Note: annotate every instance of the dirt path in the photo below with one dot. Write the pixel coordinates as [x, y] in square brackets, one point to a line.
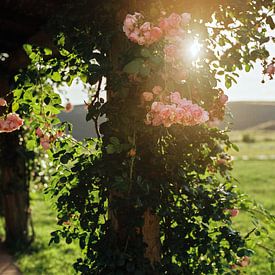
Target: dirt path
[7, 266]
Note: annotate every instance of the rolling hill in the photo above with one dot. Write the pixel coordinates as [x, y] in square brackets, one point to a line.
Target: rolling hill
[256, 115]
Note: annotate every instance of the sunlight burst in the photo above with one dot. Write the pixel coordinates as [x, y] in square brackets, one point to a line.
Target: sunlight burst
[195, 48]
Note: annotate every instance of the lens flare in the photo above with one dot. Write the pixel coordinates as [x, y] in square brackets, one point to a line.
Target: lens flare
[195, 48]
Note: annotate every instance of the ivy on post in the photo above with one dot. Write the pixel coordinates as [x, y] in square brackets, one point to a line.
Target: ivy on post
[147, 223]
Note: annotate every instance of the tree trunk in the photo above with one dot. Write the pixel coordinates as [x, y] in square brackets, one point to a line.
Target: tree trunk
[14, 187]
[151, 228]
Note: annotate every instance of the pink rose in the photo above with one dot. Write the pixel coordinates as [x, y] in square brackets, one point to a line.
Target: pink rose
[129, 23]
[174, 34]
[157, 106]
[270, 70]
[181, 111]
[10, 123]
[234, 212]
[134, 36]
[69, 107]
[145, 27]
[45, 142]
[175, 97]
[179, 115]
[155, 34]
[245, 261]
[186, 17]
[156, 120]
[170, 52]
[3, 102]
[164, 25]
[39, 132]
[147, 96]
[171, 25]
[223, 99]
[174, 20]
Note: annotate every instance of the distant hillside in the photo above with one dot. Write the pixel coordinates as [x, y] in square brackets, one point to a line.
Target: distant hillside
[251, 114]
[260, 115]
[81, 128]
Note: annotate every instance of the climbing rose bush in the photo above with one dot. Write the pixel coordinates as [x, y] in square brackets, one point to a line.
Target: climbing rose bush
[11, 122]
[145, 33]
[175, 168]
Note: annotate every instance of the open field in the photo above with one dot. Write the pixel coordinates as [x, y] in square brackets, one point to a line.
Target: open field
[256, 178]
[254, 144]
[40, 258]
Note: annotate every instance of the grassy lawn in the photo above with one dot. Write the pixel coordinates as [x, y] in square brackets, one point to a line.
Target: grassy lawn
[42, 259]
[256, 178]
[263, 144]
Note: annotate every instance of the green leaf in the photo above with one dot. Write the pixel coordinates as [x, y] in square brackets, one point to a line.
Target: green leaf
[56, 77]
[144, 71]
[15, 106]
[235, 147]
[110, 149]
[228, 83]
[134, 66]
[145, 52]
[247, 68]
[156, 59]
[27, 48]
[48, 51]
[83, 78]
[114, 141]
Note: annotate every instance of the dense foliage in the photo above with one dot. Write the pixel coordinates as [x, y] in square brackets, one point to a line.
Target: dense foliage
[175, 173]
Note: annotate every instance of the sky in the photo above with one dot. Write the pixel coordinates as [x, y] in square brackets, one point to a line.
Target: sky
[248, 88]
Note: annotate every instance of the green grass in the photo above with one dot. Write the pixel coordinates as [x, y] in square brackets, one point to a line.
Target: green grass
[256, 178]
[40, 258]
[263, 145]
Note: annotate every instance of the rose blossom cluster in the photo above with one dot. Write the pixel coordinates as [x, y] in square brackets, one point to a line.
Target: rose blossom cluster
[172, 26]
[177, 111]
[145, 33]
[10, 123]
[142, 34]
[46, 140]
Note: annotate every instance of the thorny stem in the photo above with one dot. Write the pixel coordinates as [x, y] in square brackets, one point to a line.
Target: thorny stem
[96, 96]
[132, 164]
